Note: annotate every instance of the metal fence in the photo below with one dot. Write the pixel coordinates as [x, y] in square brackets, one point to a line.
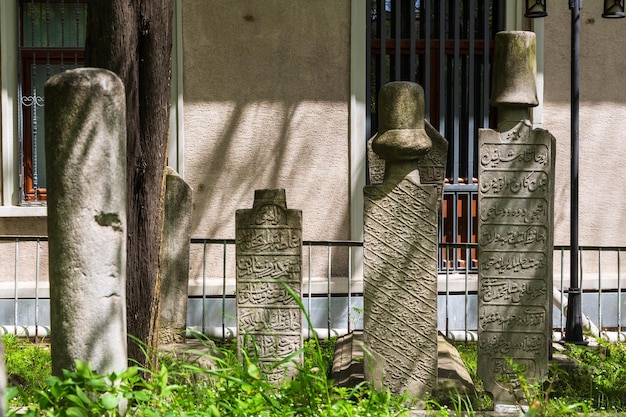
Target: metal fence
[332, 290]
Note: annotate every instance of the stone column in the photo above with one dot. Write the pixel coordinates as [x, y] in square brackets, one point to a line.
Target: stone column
[175, 259]
[269, 262]
[86, 175]
[515, 226]
[400, 247]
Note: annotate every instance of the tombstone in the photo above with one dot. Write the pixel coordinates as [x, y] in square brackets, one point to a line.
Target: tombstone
[269, 273]
[515, 226]
[400, 247]
[175, 259]
[86, 171]
[432, 167]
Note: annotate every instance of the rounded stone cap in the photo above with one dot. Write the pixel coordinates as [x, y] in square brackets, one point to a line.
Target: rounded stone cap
[401, 134]
[514, 69]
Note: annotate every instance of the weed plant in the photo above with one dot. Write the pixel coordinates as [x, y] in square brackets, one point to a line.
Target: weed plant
[597, 377]
[231, 386]
[594, 381]
[27, 364]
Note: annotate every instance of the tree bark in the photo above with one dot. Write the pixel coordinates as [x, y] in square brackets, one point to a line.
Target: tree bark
[133, 38]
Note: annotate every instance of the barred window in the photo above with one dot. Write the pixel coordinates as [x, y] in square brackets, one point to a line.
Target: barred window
[52, 39]
[446, 46]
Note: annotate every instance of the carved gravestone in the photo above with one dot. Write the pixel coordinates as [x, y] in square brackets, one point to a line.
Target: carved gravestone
[400, 248]
[175, 259]
[269, 259]
[86, 171]
[515, 227]
[432, 167]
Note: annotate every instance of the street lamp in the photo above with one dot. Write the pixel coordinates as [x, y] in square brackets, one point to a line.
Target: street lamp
[612, 9]
[536, 8]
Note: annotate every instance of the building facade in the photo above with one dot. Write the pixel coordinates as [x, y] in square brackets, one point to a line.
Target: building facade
[274, 94]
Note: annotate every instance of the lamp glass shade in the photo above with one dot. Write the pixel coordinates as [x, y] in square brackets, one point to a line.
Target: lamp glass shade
[613, 9]
[536, 8]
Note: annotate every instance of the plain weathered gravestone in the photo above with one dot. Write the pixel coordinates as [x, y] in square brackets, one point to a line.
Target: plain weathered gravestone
[269, 274]
[515, 226]
[175, 259]
[86, 171]
[400, 248]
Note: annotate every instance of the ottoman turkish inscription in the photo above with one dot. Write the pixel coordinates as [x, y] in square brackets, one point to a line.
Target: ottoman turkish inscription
[269, 259]
[400, 246]
[515, 206]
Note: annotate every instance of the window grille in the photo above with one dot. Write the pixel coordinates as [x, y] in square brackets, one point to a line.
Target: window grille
[445, 46]
[52, 40]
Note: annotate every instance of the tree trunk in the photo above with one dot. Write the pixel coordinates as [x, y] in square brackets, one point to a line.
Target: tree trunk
[133, 38]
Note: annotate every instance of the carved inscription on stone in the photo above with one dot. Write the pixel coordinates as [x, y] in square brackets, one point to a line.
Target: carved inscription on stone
[269, 246]
[515, 205]
[432, 167]
[400, 250]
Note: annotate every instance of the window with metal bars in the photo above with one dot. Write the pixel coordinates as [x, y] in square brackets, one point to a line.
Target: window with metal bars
[51, 40]
[445, 46]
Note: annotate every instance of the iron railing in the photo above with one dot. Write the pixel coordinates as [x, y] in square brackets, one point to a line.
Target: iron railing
[332, 288]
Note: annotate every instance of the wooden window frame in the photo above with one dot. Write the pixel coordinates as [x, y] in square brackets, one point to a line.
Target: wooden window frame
[29, 56]
[447, 55]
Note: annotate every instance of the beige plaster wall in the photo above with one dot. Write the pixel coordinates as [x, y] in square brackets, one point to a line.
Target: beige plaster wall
[266, 105]
[602, 130]
[1, 130]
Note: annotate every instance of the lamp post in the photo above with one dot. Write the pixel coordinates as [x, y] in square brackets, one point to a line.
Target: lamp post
[612, 9]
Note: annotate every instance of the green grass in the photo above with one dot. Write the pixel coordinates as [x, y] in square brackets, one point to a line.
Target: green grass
[595, 381]
[27, 364]
[598, 379]
[234, 387]
[231, 387]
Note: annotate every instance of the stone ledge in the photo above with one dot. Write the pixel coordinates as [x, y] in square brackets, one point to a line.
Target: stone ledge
[452, 377]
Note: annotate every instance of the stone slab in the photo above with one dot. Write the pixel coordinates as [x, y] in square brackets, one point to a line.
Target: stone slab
[86, 171]
[175, 259]
[452, 376]
[515, 244]
[269, 273]
[400, 286]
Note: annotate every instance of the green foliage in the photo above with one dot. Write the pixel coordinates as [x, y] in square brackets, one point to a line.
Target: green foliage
[468, 352]
[26, 363]
[534, 398]
[565, 392]
[229, 387]
[82, 393]
[597, 376]
[228, 384]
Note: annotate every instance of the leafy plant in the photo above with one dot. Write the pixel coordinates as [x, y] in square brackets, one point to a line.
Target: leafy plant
[534, 398]
[27, 364]
[231, 383]
[596, 376]
[83, 393]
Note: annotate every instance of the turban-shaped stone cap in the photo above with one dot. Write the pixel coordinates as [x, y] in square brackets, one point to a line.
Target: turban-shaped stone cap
[515, 69]
[401, 134]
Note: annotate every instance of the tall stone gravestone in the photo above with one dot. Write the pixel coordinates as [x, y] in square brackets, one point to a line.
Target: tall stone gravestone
[515, 226]
[400, 247]
[175, 259]
[86, 177]
[269, 271]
